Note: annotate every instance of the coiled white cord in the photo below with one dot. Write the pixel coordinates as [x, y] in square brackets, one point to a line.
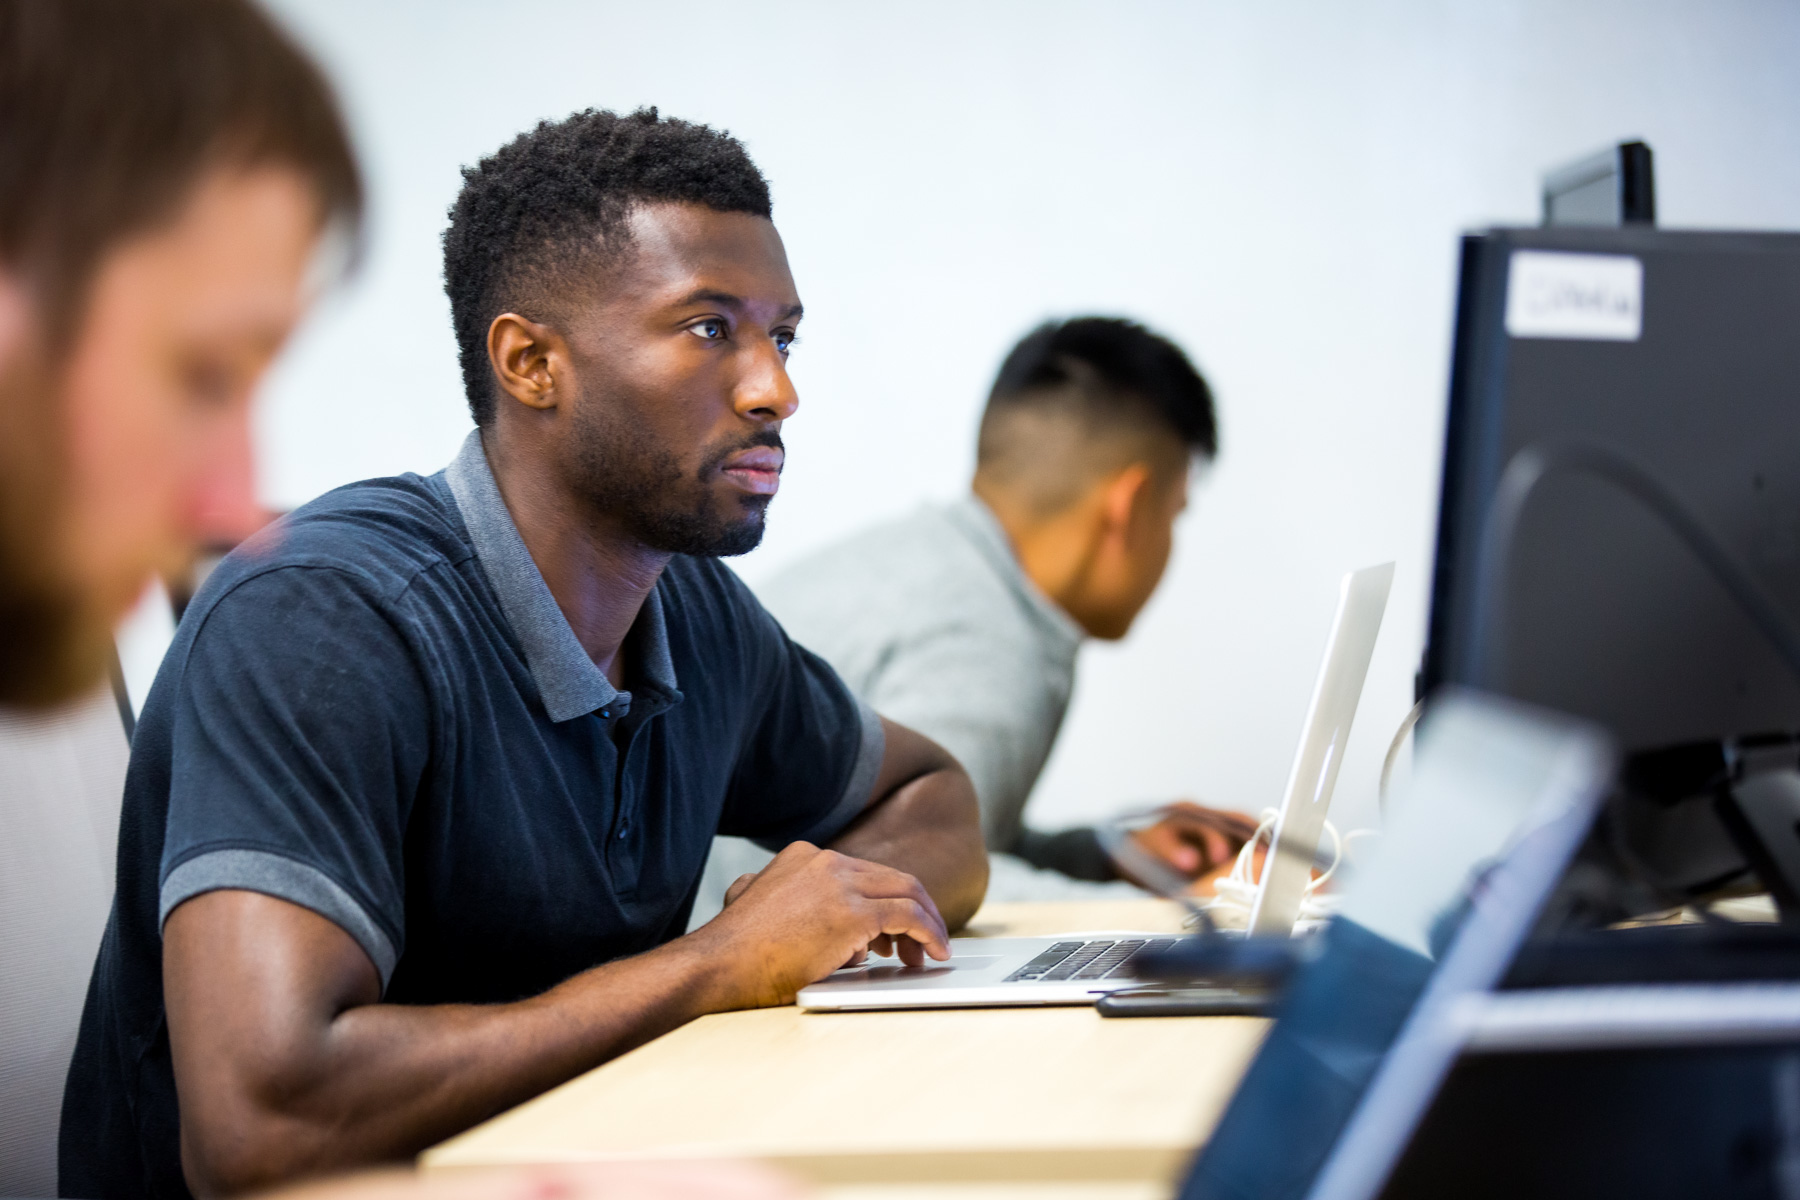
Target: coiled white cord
[1235, 893]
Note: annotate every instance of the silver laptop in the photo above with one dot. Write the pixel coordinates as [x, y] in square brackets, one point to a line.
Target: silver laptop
[1079, 968]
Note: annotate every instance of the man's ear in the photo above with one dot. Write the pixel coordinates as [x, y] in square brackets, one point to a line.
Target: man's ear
[528, 358]
[1121, 498]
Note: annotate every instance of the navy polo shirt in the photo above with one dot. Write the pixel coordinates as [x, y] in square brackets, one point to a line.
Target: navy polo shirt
[380, 714]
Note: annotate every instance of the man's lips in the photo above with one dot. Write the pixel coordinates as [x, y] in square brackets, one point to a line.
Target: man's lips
[757, 470]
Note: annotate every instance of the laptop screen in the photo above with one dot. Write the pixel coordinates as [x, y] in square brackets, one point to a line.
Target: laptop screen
[1499, 798]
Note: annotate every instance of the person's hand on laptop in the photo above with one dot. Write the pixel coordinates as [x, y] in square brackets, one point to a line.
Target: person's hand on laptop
[1196, 841]
[812, 911]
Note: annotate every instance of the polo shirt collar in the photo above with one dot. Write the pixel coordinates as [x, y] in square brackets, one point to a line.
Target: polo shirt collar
[567, 679]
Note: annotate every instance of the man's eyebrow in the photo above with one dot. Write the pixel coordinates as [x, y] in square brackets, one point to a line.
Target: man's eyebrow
[727, 300]
[710, 296]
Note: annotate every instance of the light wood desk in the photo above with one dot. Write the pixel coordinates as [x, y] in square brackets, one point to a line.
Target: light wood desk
[982, 1104]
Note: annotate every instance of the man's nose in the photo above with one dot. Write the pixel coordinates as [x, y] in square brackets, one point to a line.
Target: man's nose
[763, 387]
[222, 504]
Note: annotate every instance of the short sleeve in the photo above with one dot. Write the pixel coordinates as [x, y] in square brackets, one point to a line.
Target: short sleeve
[811, 750]
[301, 730]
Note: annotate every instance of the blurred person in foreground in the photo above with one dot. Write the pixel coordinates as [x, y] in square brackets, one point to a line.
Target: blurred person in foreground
[421, 796]
[168, 169]
[964, 620]
[168, 172]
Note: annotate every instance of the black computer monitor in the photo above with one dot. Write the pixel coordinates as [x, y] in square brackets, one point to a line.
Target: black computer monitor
[1678, 351]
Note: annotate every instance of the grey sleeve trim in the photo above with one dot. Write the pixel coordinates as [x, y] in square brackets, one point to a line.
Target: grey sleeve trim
[285, 879]
[1076, 853]
[856, 793]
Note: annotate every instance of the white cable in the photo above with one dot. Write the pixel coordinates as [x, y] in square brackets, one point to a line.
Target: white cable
[1393, 752]
[1235, 893]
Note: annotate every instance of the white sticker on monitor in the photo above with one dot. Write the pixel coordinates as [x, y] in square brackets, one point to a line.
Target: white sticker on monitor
[1591, 297]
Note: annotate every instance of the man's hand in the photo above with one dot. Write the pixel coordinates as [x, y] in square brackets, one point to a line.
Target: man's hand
[1195, 841]
[922, 818]
[812, 911]
[911, 866]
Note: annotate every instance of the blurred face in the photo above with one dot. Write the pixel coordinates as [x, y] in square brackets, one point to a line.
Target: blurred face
[680, 382]
[154, 391]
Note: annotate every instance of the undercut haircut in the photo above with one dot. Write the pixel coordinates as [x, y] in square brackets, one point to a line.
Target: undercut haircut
[539, 219]
[111, 111]
[1080, 397]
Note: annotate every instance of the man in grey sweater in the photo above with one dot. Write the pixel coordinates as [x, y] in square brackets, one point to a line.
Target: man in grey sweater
[963, 620]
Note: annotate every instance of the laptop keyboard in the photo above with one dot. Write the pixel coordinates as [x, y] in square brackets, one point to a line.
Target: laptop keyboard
[1087, 960]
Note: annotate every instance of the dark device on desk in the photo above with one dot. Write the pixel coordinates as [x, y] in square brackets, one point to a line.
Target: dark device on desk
[1630, 397]
[1212, 975]
[1189, 1000]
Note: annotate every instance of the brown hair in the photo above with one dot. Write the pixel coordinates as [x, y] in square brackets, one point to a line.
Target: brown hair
[112, 110]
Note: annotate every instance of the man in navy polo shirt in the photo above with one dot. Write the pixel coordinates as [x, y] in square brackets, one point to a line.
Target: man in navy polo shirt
[421, 796]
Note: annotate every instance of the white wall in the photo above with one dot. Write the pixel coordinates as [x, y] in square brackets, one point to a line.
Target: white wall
[1279, 186]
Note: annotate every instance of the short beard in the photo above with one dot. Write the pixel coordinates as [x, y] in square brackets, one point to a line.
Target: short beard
[54, 647]
[53, 650]
[633, 481]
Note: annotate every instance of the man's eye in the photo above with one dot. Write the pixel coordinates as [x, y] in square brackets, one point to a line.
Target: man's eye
[712, 329]
[785, 340]
[210, 384]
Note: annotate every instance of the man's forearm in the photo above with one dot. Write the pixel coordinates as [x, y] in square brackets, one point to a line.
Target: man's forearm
[365, 1082]
[426, 1073]
[930, 828]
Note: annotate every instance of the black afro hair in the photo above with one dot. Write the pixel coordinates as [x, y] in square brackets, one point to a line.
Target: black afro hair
[554, 202]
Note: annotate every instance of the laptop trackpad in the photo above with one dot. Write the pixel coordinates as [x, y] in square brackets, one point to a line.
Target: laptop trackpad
[962, 962]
